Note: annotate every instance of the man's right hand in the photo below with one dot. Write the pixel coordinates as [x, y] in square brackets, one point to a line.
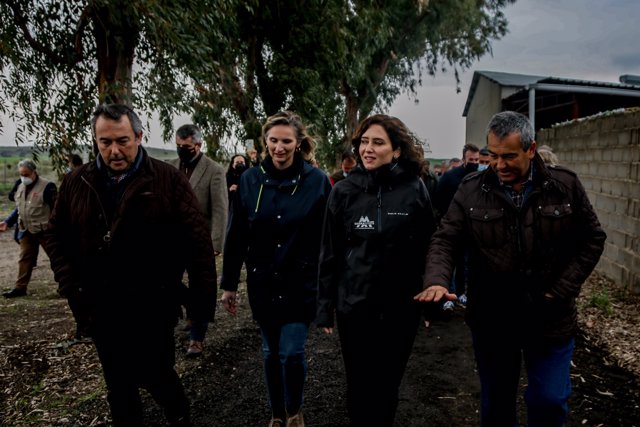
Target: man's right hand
[435, 293]
[3, 226]
[229, 302]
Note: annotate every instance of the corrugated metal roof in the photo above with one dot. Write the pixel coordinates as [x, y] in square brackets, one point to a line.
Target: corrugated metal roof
[522, 80]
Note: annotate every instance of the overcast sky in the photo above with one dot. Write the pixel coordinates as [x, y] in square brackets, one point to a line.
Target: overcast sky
[580, 39]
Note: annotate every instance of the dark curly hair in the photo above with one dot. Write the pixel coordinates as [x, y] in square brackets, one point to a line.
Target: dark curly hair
[401, 137]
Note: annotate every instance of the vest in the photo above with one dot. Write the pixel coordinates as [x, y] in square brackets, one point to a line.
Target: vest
[34, 212]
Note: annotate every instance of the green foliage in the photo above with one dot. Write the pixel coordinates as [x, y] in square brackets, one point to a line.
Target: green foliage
[602, 301]
[228, 63]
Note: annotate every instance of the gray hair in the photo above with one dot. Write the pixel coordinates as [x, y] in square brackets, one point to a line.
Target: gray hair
[508, 122]
[27, 163]
[115, 112]
[186, 131]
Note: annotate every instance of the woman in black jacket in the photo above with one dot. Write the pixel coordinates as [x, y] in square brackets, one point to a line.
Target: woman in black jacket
[274, 229]
[237, 166]
[376, 232]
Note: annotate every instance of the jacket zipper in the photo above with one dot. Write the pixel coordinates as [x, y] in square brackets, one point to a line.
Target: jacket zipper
[107, 237]
[379, 209]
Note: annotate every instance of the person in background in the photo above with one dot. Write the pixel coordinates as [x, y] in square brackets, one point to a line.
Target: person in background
[34, 198]
[454, 162]
[124, 229]
[208, 183]
[532, 234]
[75, 161]
[484, 160]
[12, 198]
[447, 187]
[252, 154]
[347, 163]
[237, 166]
[548, 156]
[274, 229]
[450, 180]
[374, 243]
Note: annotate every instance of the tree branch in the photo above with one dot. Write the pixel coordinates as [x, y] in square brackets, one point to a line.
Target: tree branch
[21, 22]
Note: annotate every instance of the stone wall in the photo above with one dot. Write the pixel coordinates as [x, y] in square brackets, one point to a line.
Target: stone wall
[605, 152]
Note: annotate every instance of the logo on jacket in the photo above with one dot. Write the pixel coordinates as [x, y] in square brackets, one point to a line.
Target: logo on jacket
[364, 223]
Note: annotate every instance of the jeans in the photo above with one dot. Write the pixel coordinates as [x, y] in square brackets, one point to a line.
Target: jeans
[285, 365]
[549, 386]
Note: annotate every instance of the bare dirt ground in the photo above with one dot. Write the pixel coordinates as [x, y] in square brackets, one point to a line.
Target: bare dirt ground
[45, 381]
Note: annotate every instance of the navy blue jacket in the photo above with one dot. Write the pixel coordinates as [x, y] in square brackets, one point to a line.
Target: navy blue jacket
[275, 227]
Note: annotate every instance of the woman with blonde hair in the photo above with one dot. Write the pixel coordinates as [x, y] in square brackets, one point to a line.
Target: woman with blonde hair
[274, 229]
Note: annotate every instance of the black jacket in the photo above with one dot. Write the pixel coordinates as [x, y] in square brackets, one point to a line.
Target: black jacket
[516, 256]
[275, 229]
[375, 237]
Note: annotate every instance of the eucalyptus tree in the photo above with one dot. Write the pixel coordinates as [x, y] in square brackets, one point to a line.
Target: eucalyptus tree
[59, 58]
[336, 61]
[229, 63]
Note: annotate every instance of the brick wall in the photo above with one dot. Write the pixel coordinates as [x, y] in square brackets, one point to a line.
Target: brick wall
[605, 152]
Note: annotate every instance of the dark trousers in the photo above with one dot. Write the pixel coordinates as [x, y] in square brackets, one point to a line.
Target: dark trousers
[140, 360]
[499, 361]
[29, 250]
[376, 350]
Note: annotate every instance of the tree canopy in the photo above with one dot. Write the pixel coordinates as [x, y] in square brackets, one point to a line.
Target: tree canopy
[229, 63]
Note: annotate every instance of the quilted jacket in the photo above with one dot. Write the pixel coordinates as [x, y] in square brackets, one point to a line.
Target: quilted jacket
[526, 266]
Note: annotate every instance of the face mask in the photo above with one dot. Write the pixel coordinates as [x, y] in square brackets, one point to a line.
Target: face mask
[239, 168]
[186, 154]
[471, 167]
[482, 167]
[26, 180]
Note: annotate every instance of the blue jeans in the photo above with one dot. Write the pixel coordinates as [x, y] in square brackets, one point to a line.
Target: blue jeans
[285, 365]
[549, 386]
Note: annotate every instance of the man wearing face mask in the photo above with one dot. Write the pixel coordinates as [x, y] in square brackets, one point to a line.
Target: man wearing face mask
[34, 199]
[485, 159]
[207, 179]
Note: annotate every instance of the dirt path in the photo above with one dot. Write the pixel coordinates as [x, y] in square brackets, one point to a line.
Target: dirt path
[46, 382]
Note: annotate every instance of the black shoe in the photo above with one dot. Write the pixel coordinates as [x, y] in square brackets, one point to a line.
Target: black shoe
[15, 292]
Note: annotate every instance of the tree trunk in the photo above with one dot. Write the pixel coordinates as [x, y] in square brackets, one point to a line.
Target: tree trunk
[116, 34]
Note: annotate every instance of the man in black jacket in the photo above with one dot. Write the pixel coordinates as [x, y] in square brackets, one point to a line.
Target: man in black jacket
[123, 231]
[532, 235]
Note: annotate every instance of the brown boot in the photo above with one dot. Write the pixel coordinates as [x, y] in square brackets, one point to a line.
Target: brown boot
[276, 422]
[195, 349]
[295, 420]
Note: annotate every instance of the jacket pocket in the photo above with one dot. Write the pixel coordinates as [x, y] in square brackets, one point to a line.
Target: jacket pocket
[488, 227]
[555, 221]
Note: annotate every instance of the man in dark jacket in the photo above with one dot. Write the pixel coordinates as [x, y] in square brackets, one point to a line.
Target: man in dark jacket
[123, 231]
[532, 235]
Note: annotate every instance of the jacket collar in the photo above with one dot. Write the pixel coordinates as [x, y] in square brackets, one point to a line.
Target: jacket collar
[385, 175]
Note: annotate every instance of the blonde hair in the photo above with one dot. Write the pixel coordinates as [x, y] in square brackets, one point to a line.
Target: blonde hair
[289, 118]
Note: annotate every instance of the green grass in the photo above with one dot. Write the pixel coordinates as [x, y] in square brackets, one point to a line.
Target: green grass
[602, 301]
